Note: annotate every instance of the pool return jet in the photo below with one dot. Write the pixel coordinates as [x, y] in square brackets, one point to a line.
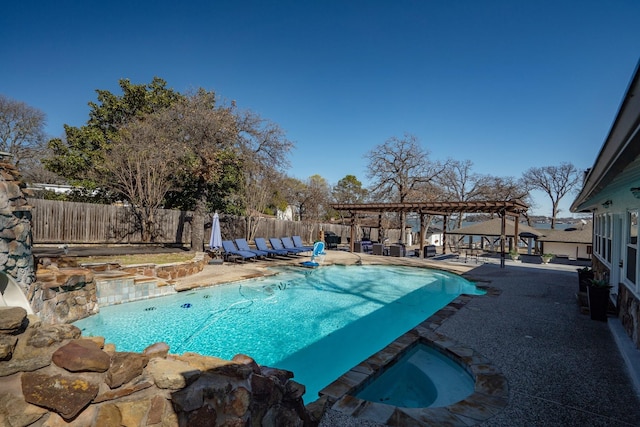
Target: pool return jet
[318, 253]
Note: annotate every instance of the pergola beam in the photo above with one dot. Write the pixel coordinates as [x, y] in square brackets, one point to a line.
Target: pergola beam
[503, 208]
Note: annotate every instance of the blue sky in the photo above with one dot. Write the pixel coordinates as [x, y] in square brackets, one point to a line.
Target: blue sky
[507, 84]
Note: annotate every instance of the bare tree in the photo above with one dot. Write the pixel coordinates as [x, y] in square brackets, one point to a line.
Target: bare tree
[555, 181]
[504, 188]
[264, 149]
[257, 192]
[398, 168]
[460, 184]
[311, 197]
[140, 167]
[21, 130]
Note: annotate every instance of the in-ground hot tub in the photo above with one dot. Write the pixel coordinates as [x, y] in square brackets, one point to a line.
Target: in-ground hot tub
[422, 377]
[433, 404]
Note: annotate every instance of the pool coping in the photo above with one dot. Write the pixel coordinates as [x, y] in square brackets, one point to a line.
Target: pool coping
[491, 391]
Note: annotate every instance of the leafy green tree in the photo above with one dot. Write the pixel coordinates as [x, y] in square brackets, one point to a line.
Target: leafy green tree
[349, 190]
[206, 136]
[82, 151]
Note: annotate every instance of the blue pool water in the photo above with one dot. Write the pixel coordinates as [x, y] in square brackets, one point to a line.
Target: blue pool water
[317, 323]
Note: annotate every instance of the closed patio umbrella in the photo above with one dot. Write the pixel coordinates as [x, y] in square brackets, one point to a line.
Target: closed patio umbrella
[216, 238]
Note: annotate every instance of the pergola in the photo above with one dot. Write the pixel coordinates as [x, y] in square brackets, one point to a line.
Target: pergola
[502, 208]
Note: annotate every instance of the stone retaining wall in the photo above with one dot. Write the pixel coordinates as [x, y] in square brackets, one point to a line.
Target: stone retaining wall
[52, 376]
[16, 258]
[63, 295]
[170, 271]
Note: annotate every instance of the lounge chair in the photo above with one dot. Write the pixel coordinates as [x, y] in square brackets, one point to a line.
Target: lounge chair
[230, 249]
[244, 246]
[261, 244]
[288, 245]
[297, 242]
[277, 245]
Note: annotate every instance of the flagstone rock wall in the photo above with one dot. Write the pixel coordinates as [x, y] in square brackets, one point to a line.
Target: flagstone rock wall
[52, 376]
[55, 294]
[16, 259]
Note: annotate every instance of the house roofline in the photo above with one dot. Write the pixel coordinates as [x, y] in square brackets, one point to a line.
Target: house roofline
[621, 147]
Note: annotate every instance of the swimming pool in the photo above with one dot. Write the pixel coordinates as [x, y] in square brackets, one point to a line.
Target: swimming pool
[317, 323]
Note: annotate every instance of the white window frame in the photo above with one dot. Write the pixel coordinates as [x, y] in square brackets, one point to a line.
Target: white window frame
[627, 245]
[603, 234]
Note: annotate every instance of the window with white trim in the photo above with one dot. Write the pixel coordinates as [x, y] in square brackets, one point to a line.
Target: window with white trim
[603, 232]
[608, 236]
[632, 246]
[596, 235]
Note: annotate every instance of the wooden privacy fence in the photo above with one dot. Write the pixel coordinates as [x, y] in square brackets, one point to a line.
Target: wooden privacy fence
[57, 222]
[70, 222]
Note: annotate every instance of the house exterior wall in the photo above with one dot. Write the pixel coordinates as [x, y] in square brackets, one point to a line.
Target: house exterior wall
[611, 191]
[616, 258]
[570, 250]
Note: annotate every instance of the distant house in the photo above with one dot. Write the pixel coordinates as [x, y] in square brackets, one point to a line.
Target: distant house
[491, 230]
[433, 236]
[285, 215]
[611, 192]
[573, 242]
[55, 188]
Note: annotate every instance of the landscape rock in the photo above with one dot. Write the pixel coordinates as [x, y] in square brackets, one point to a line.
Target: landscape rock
[247, 360]
[99, 341]
[26, 358]
[156, 410]
[108, 415]
[200, 417]
[294, 390]
[238, 402]
[203, 363]
[129, 389]
[66, 395]
[133, 412]
[281, 375]
[7, 345]
[170, 374]
[125, 367]
[12, 319]
[47, 335]
[266, 389]
[16, 412]
[81, 356]
[84, 419]
[159, 349]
